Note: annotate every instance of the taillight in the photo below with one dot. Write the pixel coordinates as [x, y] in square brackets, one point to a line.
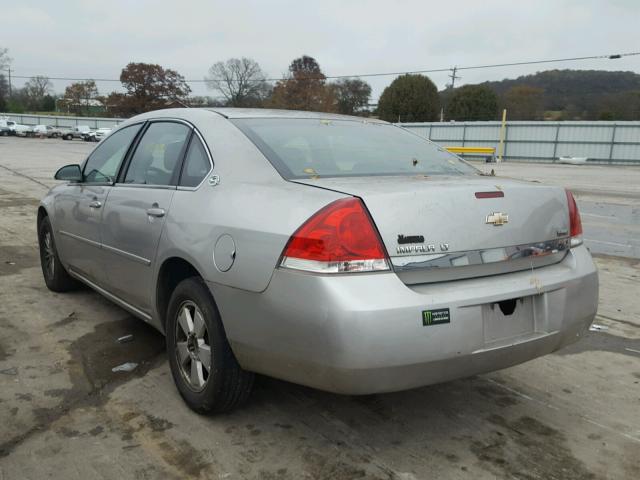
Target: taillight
[575, 223]
[338, 238]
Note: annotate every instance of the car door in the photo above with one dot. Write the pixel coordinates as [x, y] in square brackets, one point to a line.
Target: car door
[79, 206]
[135, 213]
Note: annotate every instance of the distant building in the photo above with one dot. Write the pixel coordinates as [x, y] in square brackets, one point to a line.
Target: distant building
[176, 104]
[91, 106]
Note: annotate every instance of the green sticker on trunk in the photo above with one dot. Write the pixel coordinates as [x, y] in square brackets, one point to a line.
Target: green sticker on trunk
[435, 317]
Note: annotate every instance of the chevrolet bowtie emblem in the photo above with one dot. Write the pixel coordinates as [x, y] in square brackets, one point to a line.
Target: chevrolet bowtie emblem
[497, 218]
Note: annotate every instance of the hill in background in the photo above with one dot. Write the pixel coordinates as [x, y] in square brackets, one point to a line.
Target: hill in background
[570, 95]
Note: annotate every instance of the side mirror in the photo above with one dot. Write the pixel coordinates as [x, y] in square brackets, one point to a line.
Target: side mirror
[70, 173]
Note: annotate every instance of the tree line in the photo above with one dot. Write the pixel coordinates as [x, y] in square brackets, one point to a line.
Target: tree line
[241, 82]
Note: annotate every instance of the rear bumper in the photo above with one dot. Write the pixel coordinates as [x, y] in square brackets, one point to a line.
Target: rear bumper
[363, 334]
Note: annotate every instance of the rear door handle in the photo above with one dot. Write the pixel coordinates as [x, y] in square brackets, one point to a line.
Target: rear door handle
[95, 204]
[156, 212]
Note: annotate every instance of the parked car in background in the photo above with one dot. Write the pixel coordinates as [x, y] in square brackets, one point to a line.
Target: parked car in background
[46, 130]
[22, 130]
[6, 126]
[101, 133]
[96, 135]
[75, 132]
[341, 253]
[14, 128]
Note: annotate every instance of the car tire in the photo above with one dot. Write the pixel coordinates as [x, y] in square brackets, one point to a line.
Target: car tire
[226, 385]
[55, 275]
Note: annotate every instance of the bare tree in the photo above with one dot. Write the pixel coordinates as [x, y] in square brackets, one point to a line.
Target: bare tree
[36, 89]
[5, 60]
[241, 82]
[5, 89]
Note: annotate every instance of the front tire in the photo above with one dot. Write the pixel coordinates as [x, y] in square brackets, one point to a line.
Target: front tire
[203, 365]
[55, 275]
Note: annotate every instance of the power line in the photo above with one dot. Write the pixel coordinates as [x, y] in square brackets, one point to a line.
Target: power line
[383, 74]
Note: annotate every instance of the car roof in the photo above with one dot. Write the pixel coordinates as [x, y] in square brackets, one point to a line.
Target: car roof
[198, 114]
[274, 113]
[194, 114]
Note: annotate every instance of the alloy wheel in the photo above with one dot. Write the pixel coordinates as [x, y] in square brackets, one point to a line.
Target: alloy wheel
[192, 346]
[49, 254]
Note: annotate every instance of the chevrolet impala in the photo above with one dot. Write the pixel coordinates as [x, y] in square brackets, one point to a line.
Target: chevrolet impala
[342, 253]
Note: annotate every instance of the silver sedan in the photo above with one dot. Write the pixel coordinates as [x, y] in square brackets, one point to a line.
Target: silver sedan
[342, 253]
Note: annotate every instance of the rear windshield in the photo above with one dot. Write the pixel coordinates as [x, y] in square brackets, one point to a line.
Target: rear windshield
[303, 148]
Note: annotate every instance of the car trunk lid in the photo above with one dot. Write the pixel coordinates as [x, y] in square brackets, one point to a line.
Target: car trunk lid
[441, 228]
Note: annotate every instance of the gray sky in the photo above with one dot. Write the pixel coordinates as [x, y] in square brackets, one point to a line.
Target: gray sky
[96, 39]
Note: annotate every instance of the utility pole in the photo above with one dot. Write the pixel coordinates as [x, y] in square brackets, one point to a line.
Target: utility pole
[453, 77]
[9, 70]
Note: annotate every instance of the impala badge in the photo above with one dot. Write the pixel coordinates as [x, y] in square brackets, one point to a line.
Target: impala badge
[410, 239]
[497, 218]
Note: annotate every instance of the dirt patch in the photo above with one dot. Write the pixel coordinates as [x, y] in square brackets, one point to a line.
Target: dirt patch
[633, 262]
[325, 467]
[56, 392]
[499, 396]
[15, 258]
[184, 458]
[92, 357]
[65, 320]
[525, 449]
[17, 201]
[158, 424]
[603, 341]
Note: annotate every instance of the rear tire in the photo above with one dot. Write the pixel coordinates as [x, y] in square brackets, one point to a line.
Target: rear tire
[55, 275]
[195, 338]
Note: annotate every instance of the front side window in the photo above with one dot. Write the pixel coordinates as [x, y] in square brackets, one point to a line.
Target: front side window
[158, 154]
[196, 164]
[103, 164]
[303, 148]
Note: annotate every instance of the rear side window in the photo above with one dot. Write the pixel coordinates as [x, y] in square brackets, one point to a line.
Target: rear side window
[196, 164]
[103, 164]
[303, 148]
[158, 154]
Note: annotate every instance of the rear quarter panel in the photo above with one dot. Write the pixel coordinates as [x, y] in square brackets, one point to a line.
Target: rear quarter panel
[252, 204]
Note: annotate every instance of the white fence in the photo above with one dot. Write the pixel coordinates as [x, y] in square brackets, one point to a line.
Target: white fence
[600, 142]
[61, 121]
